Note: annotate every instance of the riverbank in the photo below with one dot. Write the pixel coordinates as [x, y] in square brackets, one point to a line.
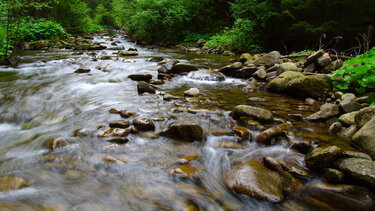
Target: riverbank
[199, 134]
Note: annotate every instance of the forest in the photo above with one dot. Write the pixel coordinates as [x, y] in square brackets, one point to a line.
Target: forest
[237, 25]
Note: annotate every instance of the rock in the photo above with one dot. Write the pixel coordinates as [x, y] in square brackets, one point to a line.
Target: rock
[322, 157]
[207, 76]
[55, 144]
[245, 72]
[348, 118]
[4, 61]
[349, 132]
[365, 138]
[193, 92]
[144, 124]
[119, 124]
[266, 136]
[309, 69]
[289, 66]
[349, 103]
[333, 66]
[114, 132]
[82, 70]
[182, 68]
[126, 114]
[290, 184]
[74, 174]
[81, 133]
[255, 180]
[228, 70]
[313, 57]
[326, 111]
[300, 146]
[294, 170]
[333, 176]
[359, 170]
[260, 74]
[364, 116]
[140, 77]
[342, 197]
[279, 84]
[241, 133]
[127, 53]
[314, 86]
[169, 97]
[194, 50]
[228, 53]
[269, 59]
[244, 57]
[11, 183]
[188, 171]
[355, 154]
[120, 140]
[201, 43]
[335, 127]
[143, 87]
[255, 113]
[90, 47]
[39, 45]
[323, 60]
[116, 48]
[184, 131]
[310, 101]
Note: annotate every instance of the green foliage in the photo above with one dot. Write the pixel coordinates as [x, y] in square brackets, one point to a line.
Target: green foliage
[357, 73]
[193, 37]
[3, 41]
[302, 52]
[41, 30]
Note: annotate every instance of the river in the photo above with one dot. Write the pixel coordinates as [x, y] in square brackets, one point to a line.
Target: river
[43, 99]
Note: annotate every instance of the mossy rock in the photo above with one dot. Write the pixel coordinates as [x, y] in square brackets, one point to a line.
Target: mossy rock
[315, 86]
[280, 83]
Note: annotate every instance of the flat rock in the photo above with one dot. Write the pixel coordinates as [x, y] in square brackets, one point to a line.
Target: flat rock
[255, 113]
[182, 68]
[140, 77]
[82, 70]
[365, 138]
[266, 136]
[184, 131]
[364, 115]
[127, 53]
[326, 111]
[119, 124]
[114, 132]
[11, 183]
[359, 170]
[256, 181]
[322, 157]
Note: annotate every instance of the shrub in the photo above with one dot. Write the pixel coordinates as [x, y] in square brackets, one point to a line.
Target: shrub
[357, 74]
[41, 30]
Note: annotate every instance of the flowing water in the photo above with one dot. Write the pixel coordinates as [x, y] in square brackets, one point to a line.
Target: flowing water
[41, 101]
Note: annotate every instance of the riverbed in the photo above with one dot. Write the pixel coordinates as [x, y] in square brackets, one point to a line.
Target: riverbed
[42, 99]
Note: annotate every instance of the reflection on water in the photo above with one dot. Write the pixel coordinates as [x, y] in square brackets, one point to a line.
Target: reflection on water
[41, 102]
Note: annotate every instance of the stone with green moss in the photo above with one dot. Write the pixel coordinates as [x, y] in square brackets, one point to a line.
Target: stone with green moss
[280, 83]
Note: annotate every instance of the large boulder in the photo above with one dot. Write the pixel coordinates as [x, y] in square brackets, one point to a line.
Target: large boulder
[255, 180]
[359, 170]
[184, 131]
[314, 86]
[342, 197]
[364, 115]
[365, 138]
[182, 68]
[245, 72]
[269, 59]
[322, 157]
[348, 118]
[255, 113]
[39, 45]
[326, 111]
[349, 103]
[279, 84]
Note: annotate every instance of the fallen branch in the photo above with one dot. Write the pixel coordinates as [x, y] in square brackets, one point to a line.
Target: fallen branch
[333, 56]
